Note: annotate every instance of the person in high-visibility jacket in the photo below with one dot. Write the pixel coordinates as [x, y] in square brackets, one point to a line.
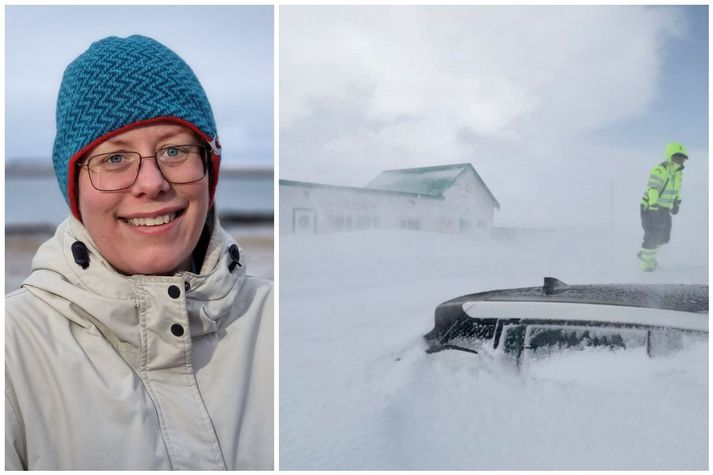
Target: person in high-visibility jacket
[662, 199]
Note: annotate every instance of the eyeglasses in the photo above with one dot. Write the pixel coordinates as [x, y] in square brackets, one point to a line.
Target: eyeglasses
[679, 156]
[178, 164]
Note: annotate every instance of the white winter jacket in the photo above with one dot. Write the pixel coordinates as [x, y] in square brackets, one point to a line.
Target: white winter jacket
[106, 371]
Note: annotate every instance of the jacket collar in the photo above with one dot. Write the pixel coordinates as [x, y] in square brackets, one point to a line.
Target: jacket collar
[99, 296]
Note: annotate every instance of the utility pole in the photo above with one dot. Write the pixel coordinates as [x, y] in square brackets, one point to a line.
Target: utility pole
[611, 204]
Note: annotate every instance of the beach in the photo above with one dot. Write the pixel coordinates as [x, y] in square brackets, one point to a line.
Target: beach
[256, 240]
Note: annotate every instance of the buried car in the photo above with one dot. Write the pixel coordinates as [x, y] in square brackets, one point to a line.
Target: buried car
[658, 317]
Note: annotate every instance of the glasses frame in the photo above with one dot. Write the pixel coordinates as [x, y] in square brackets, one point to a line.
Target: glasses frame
[205, 152]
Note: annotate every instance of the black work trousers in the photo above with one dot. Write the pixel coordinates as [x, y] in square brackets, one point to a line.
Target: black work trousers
[657, 227]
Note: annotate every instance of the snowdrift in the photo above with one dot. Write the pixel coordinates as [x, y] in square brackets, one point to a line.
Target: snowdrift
[359, 392]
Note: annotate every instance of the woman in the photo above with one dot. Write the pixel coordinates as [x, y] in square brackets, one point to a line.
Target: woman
[138, 341]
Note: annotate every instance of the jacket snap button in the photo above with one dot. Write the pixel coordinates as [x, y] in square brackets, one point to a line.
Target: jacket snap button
[234, 253]
[187, 286]
[174, 292]
[177, 329]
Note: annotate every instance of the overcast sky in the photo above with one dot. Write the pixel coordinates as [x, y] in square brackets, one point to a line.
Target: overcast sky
[562, 110]
[230, 48]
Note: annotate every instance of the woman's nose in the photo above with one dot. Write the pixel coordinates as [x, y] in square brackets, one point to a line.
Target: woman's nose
[150, 180]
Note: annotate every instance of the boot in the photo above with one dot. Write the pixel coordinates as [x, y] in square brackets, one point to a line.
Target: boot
[648, 259]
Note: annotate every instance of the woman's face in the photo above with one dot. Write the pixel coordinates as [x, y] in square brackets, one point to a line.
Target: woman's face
[117, 220]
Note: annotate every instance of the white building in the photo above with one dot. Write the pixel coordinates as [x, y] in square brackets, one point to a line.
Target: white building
[447, 198]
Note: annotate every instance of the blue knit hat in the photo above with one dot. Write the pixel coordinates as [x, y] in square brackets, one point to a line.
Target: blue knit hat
[119, 84]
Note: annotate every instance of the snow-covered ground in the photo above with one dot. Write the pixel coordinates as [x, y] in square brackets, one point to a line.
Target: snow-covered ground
[357, 390]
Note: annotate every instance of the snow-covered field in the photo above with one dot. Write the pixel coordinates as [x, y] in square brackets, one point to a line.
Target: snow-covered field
[357, 390]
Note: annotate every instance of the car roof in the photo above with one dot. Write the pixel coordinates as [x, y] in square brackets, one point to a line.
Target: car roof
[680, 297]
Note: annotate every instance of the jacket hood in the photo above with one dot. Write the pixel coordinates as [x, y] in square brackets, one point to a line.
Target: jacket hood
[99, 298]
[672, 149]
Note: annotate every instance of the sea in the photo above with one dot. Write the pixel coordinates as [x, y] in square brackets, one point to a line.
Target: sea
[33, 199]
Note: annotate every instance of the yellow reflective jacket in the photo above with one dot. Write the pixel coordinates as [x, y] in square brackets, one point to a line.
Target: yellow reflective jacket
[664, 185]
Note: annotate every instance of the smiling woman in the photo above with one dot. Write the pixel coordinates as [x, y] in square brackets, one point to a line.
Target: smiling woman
[138, 341]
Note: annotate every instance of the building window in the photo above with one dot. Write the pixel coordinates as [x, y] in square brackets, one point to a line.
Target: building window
[464, 225]
[338, 222]
[410, 223]
[363, 222]
[304, 220]
[482, 223]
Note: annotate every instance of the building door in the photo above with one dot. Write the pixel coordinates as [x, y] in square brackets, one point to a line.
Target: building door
[304, 221]
[464, 225]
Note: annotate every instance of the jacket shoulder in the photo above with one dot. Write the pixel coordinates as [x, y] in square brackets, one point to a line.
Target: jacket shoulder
[258, 291]
[18, 305]
[25, 319]
[23, 304]
[33, 324]
[660, 169]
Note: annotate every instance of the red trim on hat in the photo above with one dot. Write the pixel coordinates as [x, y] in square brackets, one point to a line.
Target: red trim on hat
[71, 178]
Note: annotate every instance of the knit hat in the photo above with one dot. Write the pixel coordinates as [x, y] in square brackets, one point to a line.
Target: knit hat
[119, 84]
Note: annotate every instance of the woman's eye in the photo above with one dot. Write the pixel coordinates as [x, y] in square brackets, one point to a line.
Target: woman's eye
[114, 159]
[173, 152]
